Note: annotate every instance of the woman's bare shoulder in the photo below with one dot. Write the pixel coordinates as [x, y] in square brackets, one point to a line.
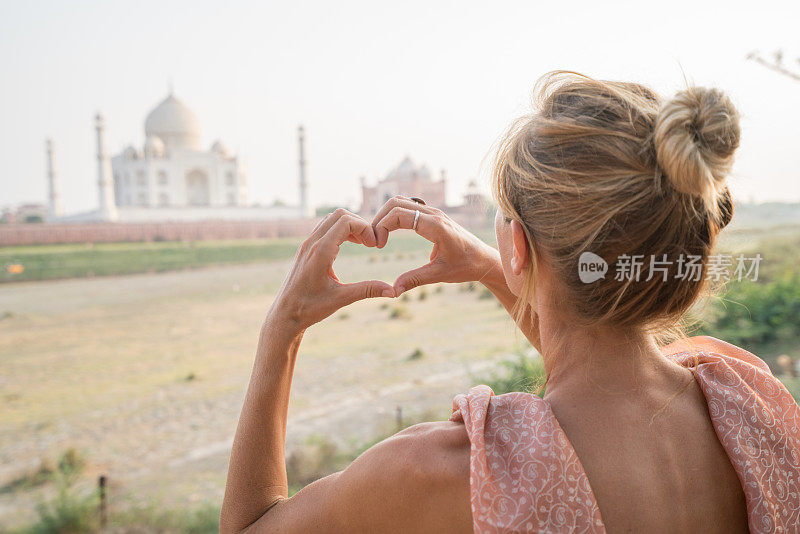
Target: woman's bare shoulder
[430, 444]
[414, 481]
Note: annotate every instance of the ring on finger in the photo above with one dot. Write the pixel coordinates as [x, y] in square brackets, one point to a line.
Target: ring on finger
[416, 220]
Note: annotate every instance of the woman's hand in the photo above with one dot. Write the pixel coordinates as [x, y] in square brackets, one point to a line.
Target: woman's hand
[457, 255]
[311, 291]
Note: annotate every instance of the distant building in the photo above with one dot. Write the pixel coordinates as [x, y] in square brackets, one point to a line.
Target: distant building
[172, 169]
[473, 200]
[172, 178]
[408, 180]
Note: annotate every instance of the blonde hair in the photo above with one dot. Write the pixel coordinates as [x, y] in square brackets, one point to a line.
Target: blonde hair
[606, 167]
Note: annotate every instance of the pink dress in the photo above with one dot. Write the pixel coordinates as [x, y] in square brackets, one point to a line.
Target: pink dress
[526, 477]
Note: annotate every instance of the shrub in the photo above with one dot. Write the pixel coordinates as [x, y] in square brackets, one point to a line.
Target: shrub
[317, 458]
[416, 354]
[37, 477]
[68, 466]
[754, 314]
[485, 294]
[523, 372]
[71, 464]
[67, 512]
[399, 312]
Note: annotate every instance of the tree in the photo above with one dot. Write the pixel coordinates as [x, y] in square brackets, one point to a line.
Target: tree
[776, 63]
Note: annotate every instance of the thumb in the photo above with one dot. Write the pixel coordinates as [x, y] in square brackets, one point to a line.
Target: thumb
[427, 274]
[365, 290]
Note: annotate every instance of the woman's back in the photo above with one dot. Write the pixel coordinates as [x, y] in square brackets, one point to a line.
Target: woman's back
[654, 473]
[664, 459]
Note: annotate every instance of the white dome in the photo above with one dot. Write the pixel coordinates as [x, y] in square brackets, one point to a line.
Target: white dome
[153, 147]
[175, 124]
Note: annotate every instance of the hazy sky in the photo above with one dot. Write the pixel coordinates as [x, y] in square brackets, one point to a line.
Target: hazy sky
[371, 81]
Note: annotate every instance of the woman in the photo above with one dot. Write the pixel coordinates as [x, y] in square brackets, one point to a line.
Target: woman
[630, 435]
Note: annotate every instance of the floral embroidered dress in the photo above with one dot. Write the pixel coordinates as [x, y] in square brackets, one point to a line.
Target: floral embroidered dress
[526, 477]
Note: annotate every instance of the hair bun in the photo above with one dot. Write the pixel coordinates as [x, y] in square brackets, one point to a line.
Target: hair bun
[696, 134]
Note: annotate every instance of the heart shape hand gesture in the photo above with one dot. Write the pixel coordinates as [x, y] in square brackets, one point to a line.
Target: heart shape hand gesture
[457, 255]
[312, 292]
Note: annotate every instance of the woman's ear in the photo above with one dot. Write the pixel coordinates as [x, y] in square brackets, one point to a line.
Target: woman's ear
[521, 251]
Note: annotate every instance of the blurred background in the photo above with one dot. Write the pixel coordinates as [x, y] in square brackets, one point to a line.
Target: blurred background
[160, 162]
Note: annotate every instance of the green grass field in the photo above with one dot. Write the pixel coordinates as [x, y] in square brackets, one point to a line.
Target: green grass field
[48, 262]
[81, 260]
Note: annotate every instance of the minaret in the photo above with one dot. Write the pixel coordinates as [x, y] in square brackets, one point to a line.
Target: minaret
[304, 211]
[53, 198]
[105, 186]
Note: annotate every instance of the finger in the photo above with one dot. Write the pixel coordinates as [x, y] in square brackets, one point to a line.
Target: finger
[319, 223]
[320, 229]
[387, 206]
[354, 239]
[328, 222]
[400, 202]
[312, 236]
[348, 226]
[428, 226]
[427, 274]
[365, 290]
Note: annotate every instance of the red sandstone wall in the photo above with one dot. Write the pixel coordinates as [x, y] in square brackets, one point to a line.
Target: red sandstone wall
[33, 234]
[37, 234]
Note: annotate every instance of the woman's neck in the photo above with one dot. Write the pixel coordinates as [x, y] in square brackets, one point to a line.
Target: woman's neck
[610, 361]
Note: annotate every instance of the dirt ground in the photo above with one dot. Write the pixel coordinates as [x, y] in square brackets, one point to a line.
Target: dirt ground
[145, 374]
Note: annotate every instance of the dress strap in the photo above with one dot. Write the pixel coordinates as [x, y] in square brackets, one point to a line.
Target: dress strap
[524, 474]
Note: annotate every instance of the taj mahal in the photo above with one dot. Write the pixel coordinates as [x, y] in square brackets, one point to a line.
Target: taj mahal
[172, 169]
[172, 177]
